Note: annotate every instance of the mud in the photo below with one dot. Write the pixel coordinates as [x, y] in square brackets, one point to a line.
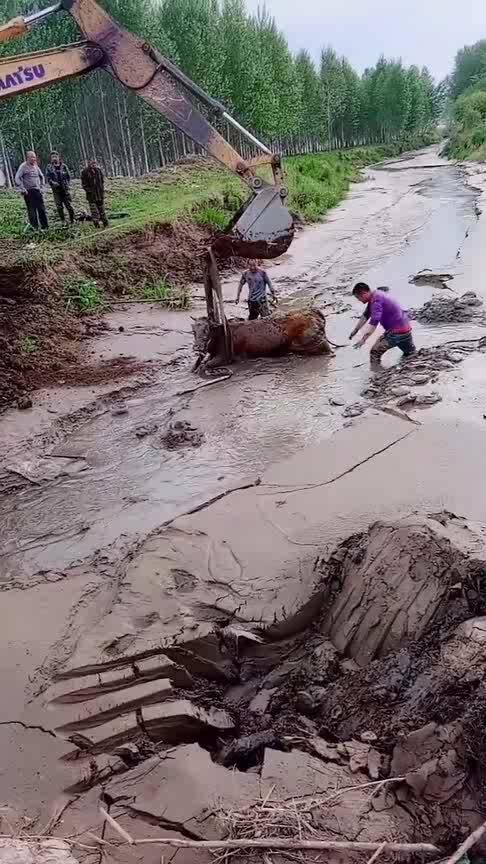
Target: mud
[450, 309]
[181, 434]
[421, 370]
[43, 340]
[191, 620]
[383, 682]
[434, 280]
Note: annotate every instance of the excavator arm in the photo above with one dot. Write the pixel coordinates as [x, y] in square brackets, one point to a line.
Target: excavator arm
[263, 228]
[32, 71]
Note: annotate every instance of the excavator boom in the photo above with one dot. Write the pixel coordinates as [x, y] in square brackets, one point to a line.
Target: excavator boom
[264, 227]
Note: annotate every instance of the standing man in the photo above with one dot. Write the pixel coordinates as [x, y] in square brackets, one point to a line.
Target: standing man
[382, 309]
[93, 183]
[258, 281]
[30, 180]
[59, 178]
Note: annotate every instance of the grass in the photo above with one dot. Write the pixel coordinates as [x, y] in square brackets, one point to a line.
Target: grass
[84, 295]
[198, 191]
[201, 189]
[212, 217]
[319, 182]
[29, 345]
[468, 144]
[172, 296]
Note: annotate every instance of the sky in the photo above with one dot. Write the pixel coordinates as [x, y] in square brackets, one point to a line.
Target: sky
[421, 32]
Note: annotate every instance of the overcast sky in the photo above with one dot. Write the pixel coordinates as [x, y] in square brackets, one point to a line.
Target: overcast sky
[424, 32]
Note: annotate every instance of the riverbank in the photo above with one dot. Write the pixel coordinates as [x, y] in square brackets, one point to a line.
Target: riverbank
[50, 285]
[196, 188]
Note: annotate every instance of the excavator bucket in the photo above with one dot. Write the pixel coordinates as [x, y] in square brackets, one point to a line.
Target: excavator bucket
[263, 228]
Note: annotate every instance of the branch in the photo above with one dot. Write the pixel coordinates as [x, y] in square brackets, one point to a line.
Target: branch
[378, 853]
[468, 842]
[285, 843]
[275, 843]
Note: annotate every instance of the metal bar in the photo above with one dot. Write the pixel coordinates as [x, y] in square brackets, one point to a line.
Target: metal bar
[201, 94]
[245, 132]
[190, 85]
[36, 17]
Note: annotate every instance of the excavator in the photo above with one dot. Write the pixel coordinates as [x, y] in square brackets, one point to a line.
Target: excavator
[262, 228]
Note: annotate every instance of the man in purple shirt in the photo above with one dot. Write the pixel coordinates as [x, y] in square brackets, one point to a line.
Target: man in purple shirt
[382, 309]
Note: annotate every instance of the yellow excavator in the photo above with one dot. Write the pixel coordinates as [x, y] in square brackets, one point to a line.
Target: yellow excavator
[263, 228]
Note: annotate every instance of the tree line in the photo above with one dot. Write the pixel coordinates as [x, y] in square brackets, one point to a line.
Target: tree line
[466, 88]
[243, 60]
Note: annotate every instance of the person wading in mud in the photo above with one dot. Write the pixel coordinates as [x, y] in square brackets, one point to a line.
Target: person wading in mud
[93, 183]
[258, 281]
[30, 180]
[382, 309]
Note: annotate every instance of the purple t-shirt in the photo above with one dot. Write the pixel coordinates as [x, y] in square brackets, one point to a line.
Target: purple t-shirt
[384, 310]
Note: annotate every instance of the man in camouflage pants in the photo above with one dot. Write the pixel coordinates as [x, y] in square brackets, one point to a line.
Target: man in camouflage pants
[93, 183]
[59, 179]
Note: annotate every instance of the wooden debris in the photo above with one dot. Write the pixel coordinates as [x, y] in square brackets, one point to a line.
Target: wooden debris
[469, 842]
[116, 827]
[377, 853]
[287, 843]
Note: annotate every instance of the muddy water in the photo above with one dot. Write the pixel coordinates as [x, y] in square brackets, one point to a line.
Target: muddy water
[82, 481]
[101, 481]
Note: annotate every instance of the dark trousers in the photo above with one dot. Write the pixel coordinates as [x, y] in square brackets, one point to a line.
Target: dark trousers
[36, 209]
[97, 210]
[404, 341]
[62, 199]
[258, 309]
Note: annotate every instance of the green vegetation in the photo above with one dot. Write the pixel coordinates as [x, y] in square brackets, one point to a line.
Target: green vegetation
[319, 182]
[158, 290]
[204, 193]
[467, 109]
[201, 191]
[29, 345]
[212, 216]
[241, 59]
[84, 295]
[172, 296]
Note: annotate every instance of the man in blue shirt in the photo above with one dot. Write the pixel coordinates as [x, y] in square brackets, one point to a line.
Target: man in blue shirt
[258, 282]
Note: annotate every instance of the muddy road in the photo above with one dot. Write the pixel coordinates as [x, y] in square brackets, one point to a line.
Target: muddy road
[90, 466]
[89, 473]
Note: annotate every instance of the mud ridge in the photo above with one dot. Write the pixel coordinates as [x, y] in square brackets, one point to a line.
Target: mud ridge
[451, 309]
[386, 681]
[399, 383]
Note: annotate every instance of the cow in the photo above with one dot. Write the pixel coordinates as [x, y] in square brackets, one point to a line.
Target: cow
[300, 332]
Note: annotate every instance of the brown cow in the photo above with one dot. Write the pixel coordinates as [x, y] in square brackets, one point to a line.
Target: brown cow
[299, 332]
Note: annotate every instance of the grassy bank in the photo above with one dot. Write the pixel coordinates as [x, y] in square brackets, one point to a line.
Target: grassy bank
[467, 134]
[199, 190]
[52, 280]
[159, 224]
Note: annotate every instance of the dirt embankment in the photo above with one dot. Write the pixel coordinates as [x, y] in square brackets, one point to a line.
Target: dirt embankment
[41, 328]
